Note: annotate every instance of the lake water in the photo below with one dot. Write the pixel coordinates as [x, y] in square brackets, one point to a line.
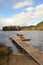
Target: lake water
[35, 36]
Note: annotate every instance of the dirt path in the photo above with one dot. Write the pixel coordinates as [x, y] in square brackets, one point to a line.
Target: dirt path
[21, 59]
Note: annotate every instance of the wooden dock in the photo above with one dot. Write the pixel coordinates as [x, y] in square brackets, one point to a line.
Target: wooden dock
[34, 53]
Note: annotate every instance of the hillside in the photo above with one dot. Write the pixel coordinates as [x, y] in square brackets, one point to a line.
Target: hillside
[39, 26]
[32, 27]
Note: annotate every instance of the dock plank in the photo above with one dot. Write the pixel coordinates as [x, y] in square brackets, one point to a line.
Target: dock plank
[30, 50]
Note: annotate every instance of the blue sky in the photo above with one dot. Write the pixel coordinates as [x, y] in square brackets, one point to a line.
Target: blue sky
[20, 12]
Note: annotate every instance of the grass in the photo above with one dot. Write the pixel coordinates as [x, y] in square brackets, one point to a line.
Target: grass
[4, 54]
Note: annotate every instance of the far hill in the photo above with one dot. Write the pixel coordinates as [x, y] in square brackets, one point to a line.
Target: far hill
[39, 26]
[28, 27]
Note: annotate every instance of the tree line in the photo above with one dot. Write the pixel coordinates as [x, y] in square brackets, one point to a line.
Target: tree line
[39, 26]
[11, 28]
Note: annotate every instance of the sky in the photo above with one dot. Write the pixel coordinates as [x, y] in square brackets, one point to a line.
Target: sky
[20, 12]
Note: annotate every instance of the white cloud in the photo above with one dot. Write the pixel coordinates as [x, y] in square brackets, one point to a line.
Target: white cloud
[16, 3]
[24, 18]
[36, 12]
[22, 4]
[39, 7]
[30, 9]
[39, 11]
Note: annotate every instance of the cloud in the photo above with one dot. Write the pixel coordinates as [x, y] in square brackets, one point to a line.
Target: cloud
[24, 18]
[30, 9]
[36, 12]
[16, 3]
[39, 11]
[22, 4]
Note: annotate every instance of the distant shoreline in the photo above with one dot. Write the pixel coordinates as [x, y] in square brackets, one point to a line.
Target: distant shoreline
[38, 27]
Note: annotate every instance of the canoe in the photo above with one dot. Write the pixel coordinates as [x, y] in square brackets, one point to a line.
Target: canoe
[26, 39]
[21, 36]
